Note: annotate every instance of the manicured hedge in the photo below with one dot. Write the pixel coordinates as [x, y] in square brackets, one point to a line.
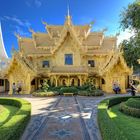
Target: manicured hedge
[13, 128]
[45, 94]
[68, 90]
[95, 92]
[129, 110]
[134, 103]
[117, 100]
[109, 129]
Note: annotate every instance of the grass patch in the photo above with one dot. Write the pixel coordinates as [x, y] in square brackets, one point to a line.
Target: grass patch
[114, 124]
[7, 113]
[1, 109]
[129, 125]
[13, 127]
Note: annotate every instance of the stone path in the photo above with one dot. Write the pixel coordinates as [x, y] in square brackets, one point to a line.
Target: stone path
[68, 118]
[63, 118]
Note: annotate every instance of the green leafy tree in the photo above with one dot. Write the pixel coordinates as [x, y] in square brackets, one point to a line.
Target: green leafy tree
[130, 19]
[131, 53]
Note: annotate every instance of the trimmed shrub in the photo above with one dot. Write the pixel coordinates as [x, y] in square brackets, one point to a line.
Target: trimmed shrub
[134, 103]
[108, 129]
[115, 101]
[96, 92]
[129, 110]
[68, 90]
[107, 126]
[83, 93]
[13, 128]
[44, 94]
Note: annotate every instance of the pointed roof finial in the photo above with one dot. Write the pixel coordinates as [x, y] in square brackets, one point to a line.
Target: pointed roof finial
[68, 17]
[68, 8]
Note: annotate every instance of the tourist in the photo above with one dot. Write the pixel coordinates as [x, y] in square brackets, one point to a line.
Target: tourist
[19, 87]
[14, 88]
[116, 88]
[133, 88]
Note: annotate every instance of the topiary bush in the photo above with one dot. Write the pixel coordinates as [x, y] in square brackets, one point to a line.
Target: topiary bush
[133, 102]
[68, 90]
[129, 110]
[95, 92]
[44, 94]
[131, 107]
[13, 128]
[83, 93]
[108, 127]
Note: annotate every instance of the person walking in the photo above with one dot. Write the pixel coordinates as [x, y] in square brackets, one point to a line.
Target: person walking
[133, 88]
[19, 87]
[14, 88]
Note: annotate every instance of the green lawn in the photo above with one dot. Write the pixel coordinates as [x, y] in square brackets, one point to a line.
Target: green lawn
[1, 108]
[130, 126]
[6, 112]
[115, 125]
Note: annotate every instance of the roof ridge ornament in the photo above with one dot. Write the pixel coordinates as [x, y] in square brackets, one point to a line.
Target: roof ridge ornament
[44, 22]
[17, 35]
[68, 17]
[31, 30]
[91, 23]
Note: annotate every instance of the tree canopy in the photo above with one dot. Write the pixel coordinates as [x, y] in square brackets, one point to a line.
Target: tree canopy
[130, 19]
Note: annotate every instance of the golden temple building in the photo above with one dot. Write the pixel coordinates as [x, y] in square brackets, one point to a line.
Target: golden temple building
[68, 55]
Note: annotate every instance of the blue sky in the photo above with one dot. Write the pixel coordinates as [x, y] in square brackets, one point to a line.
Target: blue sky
[20, 15]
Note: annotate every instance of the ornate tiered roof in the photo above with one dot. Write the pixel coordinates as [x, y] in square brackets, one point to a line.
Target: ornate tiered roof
[48, 42]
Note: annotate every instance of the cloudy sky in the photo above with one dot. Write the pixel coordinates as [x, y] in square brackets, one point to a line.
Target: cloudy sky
[18, 16]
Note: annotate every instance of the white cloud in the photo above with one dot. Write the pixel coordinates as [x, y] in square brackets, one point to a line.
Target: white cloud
[18, 21]
[38, 3]
[34, 3]
[19, 26]
[21, 32]
[125, 35]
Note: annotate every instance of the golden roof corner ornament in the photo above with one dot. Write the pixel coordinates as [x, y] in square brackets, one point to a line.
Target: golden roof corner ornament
[31, 30]
[92, 23]
[43, 22]
[17, 35]
[104, 30]
[13, 50]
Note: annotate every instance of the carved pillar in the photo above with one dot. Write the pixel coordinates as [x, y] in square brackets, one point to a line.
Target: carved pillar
[68, 80]
[80, 78]
[28, 84]
[11, 85]
[56, 78]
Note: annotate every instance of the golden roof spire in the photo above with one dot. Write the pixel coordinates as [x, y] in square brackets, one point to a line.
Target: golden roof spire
[68, 11]
[68, 17]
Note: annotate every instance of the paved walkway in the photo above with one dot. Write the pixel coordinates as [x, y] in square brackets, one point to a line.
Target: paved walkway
[63, 118]
[68, 118]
